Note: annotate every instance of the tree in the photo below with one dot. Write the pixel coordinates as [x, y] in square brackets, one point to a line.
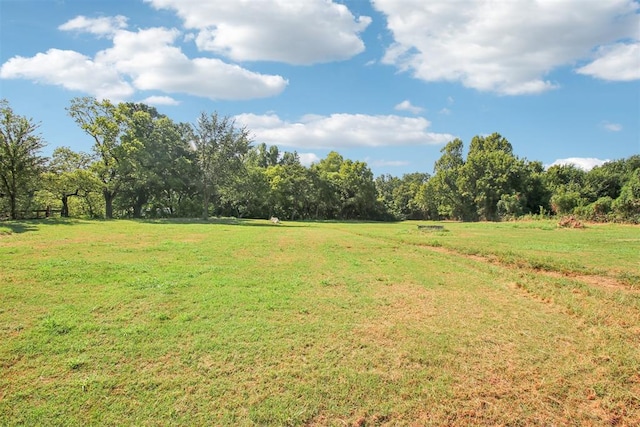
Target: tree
[406, 195]
[357, 188]
[566, 185]
[444, 185]
[386, 186]
[106, 124]
[289, 190]
[490, 171]
[68, 176]
[627, 205]
[220, 148]
[248, 193]
[20, 162]
[327, 177]
[158, 160]
[534, 194]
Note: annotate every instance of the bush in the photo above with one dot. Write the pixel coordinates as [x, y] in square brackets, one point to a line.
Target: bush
[599, 211]
[565, 202]
[627, 206]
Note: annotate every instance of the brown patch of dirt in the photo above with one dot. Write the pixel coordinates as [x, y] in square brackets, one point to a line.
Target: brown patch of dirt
[602, 282]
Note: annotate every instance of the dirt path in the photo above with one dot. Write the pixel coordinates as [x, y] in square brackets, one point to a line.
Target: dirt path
[601, 282]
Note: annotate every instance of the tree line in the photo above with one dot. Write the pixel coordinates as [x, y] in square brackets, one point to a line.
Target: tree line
[143, 164]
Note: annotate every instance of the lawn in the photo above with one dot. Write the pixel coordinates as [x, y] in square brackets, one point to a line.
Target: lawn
[242, 322]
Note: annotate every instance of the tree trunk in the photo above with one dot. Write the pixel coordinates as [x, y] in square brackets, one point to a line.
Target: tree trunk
[64, 213]
[138, 204]
[12, 202]
[205, 202]
[108, 203]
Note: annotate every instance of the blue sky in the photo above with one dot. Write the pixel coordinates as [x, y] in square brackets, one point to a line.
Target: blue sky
[388, 82]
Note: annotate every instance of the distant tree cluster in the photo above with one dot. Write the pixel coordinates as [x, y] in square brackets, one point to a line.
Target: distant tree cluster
[143, 164]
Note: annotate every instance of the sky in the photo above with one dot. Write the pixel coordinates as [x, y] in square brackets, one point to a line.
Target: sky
[388, 82]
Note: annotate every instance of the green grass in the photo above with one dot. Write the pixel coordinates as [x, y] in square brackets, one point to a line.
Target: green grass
[248, 323]
[609, 250]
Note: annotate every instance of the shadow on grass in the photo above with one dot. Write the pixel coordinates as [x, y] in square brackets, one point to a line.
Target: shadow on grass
[17, 227]
[256, 222]
[212, 221]
[26, 225]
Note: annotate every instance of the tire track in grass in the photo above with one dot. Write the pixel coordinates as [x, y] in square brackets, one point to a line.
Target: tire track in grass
[511, 367]
[603, 282]
[604, 313]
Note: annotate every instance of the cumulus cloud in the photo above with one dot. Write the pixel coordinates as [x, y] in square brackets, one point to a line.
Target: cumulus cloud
[619, 62]
[306, 159]
[151, 60]
[160, 100]
[294, 32]
[71, 70]
[339, 131]
[584, 163]
[146, 59]
[103, 26]
[611, 127]
[407, 106]
[509, 47]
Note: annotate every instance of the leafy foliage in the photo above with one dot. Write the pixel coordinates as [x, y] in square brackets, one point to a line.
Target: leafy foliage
[20, 162]
[146, 165]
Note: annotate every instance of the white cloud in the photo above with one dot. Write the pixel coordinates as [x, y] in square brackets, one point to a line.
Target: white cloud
[615, 62]
[611, 127]
[339, 131]
[147, 60]
[445, 111]
[407, 106]
[160, 100]
[71, 70]
[294, 32]
[507, 47]
[306, 159]
[154, 63]
[584, 163]
[103, 26]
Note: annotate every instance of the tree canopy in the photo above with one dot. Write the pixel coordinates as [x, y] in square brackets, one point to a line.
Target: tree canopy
[143, 164]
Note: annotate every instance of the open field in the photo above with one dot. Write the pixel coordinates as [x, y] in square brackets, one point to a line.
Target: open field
[250, 323]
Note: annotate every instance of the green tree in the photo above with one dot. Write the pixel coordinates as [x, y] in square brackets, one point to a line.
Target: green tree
[386, 187]
[20, 162]
[263, 156]
[68, 176]
[627, 205]
[566, 185]
[407, 195]
[159, 160]
[490, 171]
[534, 194]
[290, 191]
[220, 148]
[444, 186]
[563, 176]
[247, 195]
[327, 184]
[358, 196]
[106, 124]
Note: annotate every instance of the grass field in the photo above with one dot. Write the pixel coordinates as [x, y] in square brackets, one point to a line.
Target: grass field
[249, 323]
